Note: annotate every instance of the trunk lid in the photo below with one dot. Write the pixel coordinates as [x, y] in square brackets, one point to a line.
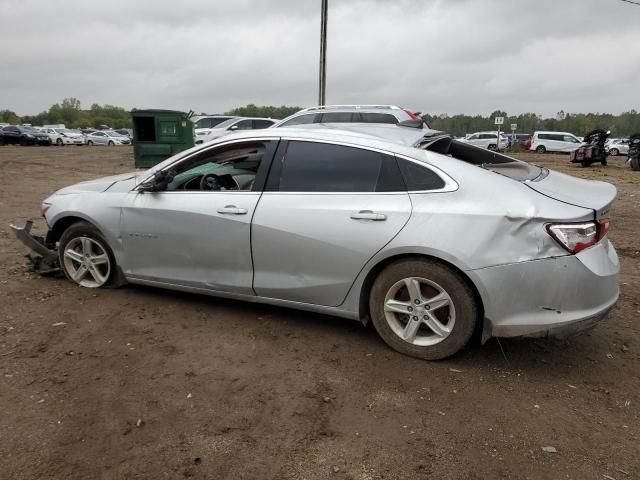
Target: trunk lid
[596, 195]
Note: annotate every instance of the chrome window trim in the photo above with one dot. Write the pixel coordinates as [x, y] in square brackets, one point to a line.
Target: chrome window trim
[450, 184]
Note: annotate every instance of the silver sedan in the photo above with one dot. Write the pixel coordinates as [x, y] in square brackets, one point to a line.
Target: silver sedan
[431, 239]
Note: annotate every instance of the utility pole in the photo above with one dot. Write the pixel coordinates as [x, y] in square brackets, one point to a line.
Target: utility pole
[323, 54]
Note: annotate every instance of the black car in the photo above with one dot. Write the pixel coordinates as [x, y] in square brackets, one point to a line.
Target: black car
[19, 135]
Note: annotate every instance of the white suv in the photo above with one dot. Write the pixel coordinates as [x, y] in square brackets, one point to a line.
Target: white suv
[488, 140]
[543, 142]
[348, 114]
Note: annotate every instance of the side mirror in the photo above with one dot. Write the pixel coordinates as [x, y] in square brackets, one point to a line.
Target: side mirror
[233, 127]
[158, 182]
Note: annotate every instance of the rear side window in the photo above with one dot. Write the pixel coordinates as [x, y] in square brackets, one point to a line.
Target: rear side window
[322, 167]
[376, 118]
[419, 178]
[336, 117]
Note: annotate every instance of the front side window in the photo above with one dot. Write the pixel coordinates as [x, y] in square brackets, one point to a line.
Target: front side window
[300, 120]
[259, 124]
[323, 167]
[229, 168]
[473, 137]
[244, 125]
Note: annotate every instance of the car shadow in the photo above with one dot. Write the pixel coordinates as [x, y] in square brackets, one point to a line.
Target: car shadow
[506, 353]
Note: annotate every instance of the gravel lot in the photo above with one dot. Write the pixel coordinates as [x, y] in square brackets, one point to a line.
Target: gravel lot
[151, 384]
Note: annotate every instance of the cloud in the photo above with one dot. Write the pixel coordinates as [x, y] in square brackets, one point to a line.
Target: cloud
[433, 55]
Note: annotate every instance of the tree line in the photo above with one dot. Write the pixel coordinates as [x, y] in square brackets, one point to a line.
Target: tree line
[71, 113]
[622, 125]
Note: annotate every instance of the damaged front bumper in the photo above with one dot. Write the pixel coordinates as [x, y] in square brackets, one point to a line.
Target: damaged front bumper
[43, 259]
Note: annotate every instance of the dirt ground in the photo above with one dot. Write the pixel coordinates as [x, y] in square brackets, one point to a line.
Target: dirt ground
[151, 384]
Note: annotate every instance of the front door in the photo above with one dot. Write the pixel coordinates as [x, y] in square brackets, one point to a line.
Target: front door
[196, 230]
[330, 209]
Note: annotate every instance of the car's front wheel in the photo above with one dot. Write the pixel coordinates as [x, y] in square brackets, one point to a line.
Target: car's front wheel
[614, 152]
[59, 142]
[90, 143]
[423, 308]
[85, 256]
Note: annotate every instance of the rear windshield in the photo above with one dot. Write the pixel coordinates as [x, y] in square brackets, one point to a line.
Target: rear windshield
[487, 159]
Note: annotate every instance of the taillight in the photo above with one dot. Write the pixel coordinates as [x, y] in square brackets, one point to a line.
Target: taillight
[575, 237]
[411, 115]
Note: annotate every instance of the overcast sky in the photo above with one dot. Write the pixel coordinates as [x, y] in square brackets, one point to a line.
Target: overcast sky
[453, 56]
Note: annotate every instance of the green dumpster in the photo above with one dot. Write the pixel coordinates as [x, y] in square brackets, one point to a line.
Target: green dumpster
[159, 134]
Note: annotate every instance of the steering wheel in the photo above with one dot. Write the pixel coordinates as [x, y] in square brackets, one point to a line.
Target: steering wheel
[210, 182]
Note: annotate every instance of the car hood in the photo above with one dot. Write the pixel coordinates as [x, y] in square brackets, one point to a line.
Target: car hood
[100, 184]
[592, 194]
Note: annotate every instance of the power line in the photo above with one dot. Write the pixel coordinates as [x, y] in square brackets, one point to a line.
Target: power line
[632, 2]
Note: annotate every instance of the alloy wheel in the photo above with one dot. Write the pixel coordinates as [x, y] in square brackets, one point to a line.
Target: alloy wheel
[87, 262]
[419, 311]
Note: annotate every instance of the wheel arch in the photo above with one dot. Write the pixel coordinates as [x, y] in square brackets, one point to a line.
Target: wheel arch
[372, 274]
[62, 223]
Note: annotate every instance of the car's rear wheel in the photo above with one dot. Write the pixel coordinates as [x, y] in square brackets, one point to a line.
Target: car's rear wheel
[614, 151]
[85, 256]
[585, 164]
[423, 308]
[492, 146]
[541, 149]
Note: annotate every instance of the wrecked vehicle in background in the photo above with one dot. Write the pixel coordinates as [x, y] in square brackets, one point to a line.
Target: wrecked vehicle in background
[430, 238]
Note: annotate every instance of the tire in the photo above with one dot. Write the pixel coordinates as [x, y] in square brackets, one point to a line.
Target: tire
[456, 321]
[110, 144]
[614, 151]
[90, 143]
[59, 142]
[85, 256]
[585, 164]
[541, 149]
[635, 164]
[603, 162]
[492, 146]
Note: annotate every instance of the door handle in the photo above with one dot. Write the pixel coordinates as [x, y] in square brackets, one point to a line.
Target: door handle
[232, 210]
[369, 215]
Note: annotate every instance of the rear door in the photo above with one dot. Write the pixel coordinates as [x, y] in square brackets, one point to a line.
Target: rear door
[326, 211]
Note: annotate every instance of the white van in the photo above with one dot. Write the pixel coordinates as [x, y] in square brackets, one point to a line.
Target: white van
[487, 140]
[543, 142]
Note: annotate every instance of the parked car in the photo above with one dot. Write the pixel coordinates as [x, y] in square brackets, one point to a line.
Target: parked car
[349, 114]
[543, 142]
[355, 226]
[617, 146]
[107, 137]
[209, 121]
[127, 132]
[63, 136]
[203, 135]
[488, 140]
[21, 135]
